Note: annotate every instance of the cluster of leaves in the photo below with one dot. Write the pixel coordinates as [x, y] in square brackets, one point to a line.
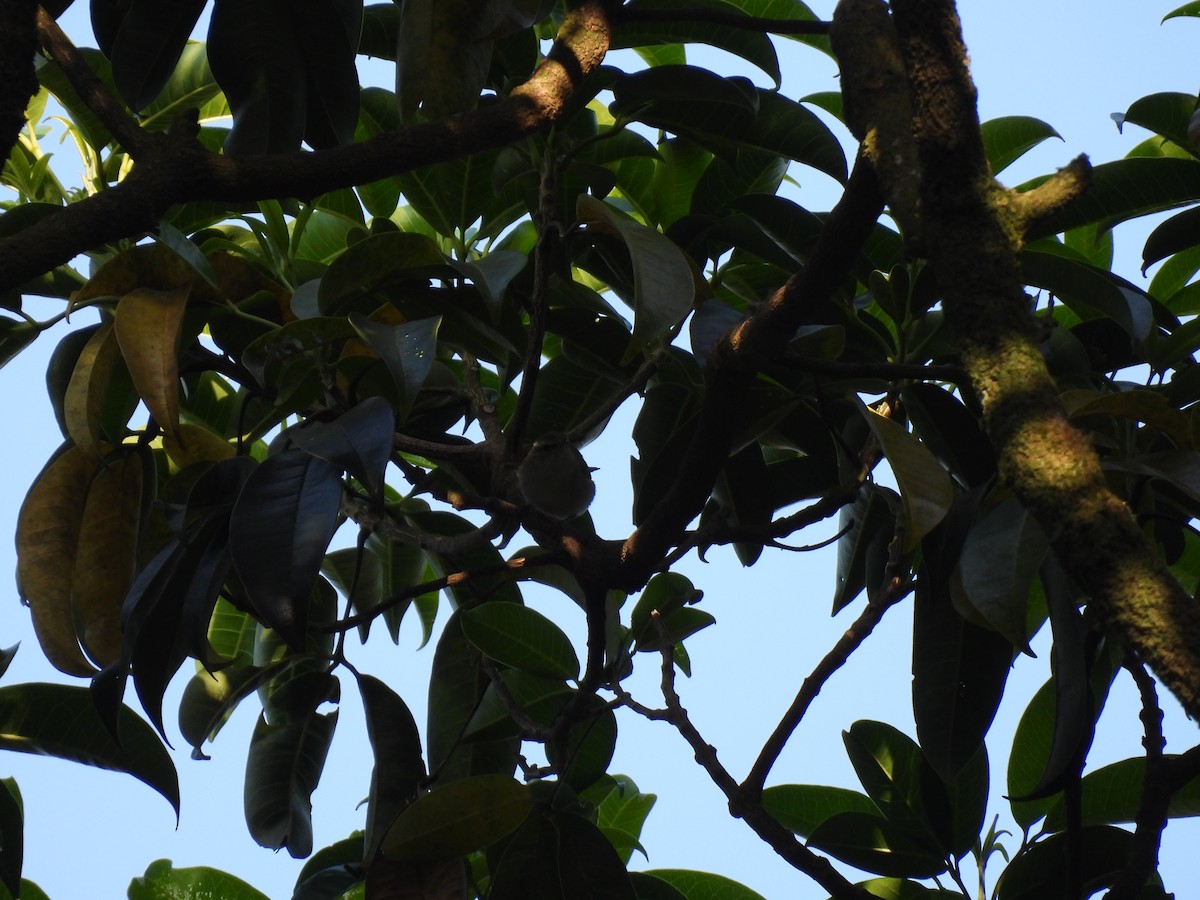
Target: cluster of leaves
[262, 374]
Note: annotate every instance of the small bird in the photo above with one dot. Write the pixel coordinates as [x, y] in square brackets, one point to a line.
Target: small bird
[555, 478]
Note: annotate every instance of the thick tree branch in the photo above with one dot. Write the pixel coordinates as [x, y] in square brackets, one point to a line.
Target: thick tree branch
[91, 90]
[733, 364]
[18, 44]
[972, 238]
[180, 170]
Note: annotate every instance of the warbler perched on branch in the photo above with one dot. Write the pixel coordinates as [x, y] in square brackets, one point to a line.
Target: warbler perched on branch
[555, 478]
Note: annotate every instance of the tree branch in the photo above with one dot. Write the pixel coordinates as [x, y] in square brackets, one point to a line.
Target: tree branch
[18, 44]
[733, 364]
[972, 237]
[750, 810]
[91, 90]
[180, 170]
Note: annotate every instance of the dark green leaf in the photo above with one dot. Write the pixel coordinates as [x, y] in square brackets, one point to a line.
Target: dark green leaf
[1112, 795]
[520, 637]
[457, 818]
[456, 685]
[802, 807]
[379, 263]
[399, 768]
[147, 47]
[1087, 290]
[867, 526]
[898, 778]
[663, 287]
[408, 350]
[587, 862]
[359, 441]
[1166, 114]
[61, 720]
[588, 749]
[1042, 870]
[284, 764]
[1178, 233]
[704, 884]
[874, 844]
[997, 568]
[279, 532]
[253, 51]
[12, 831]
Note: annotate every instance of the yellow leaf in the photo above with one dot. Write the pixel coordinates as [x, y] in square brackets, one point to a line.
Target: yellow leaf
[88, 389]
[144, 266]
[47, 537]
[195, 443]
[148, 326]
[106, 554]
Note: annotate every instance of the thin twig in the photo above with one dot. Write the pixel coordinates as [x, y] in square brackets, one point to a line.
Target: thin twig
[748, 809]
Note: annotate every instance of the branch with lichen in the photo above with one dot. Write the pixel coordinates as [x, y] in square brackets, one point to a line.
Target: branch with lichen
[971, 229]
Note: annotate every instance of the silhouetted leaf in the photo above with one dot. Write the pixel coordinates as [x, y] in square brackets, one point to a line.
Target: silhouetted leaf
[522, 638]
[457, 818]
[1111, 796]
[1042, 870]
[802, 807]
[587, 863]
[283, 767]
[873, 844]
[60, 720]
[279, 532]
[399, 768]
[12, 828]
[703, 884]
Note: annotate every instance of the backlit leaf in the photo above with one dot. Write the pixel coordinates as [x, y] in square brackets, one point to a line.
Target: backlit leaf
[457, 818]
[61, 721]
[522, 638]
[148, 328]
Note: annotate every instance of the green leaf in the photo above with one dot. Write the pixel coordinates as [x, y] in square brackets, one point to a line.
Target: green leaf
[376, 265]
[458, 818]
[408, 350]
[12, 829]
[1041, 871]
[456, 684]
[1112, 795]
[60, 720]
[874, 844]
[925, 489]
[15, 336]
[663, 287]
[279, 532]
[867, 527]
[997, 568]
[147, 47]
[704, 885]
[1089, 291]
[1008, 138]
[588, 864]
[399, 768]
[541, 698]
[284, 764]
[620, 807]
[1165, 114]
[520, 637]
[898, 778]
[164, 882]
[359, 441]
[1188, 9]
[751, 45]
[802, 807]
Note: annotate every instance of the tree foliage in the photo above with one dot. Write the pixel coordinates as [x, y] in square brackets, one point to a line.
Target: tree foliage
[365, 337]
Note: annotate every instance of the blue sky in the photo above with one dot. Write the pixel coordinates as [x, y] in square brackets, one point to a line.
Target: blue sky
[1071, 63]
